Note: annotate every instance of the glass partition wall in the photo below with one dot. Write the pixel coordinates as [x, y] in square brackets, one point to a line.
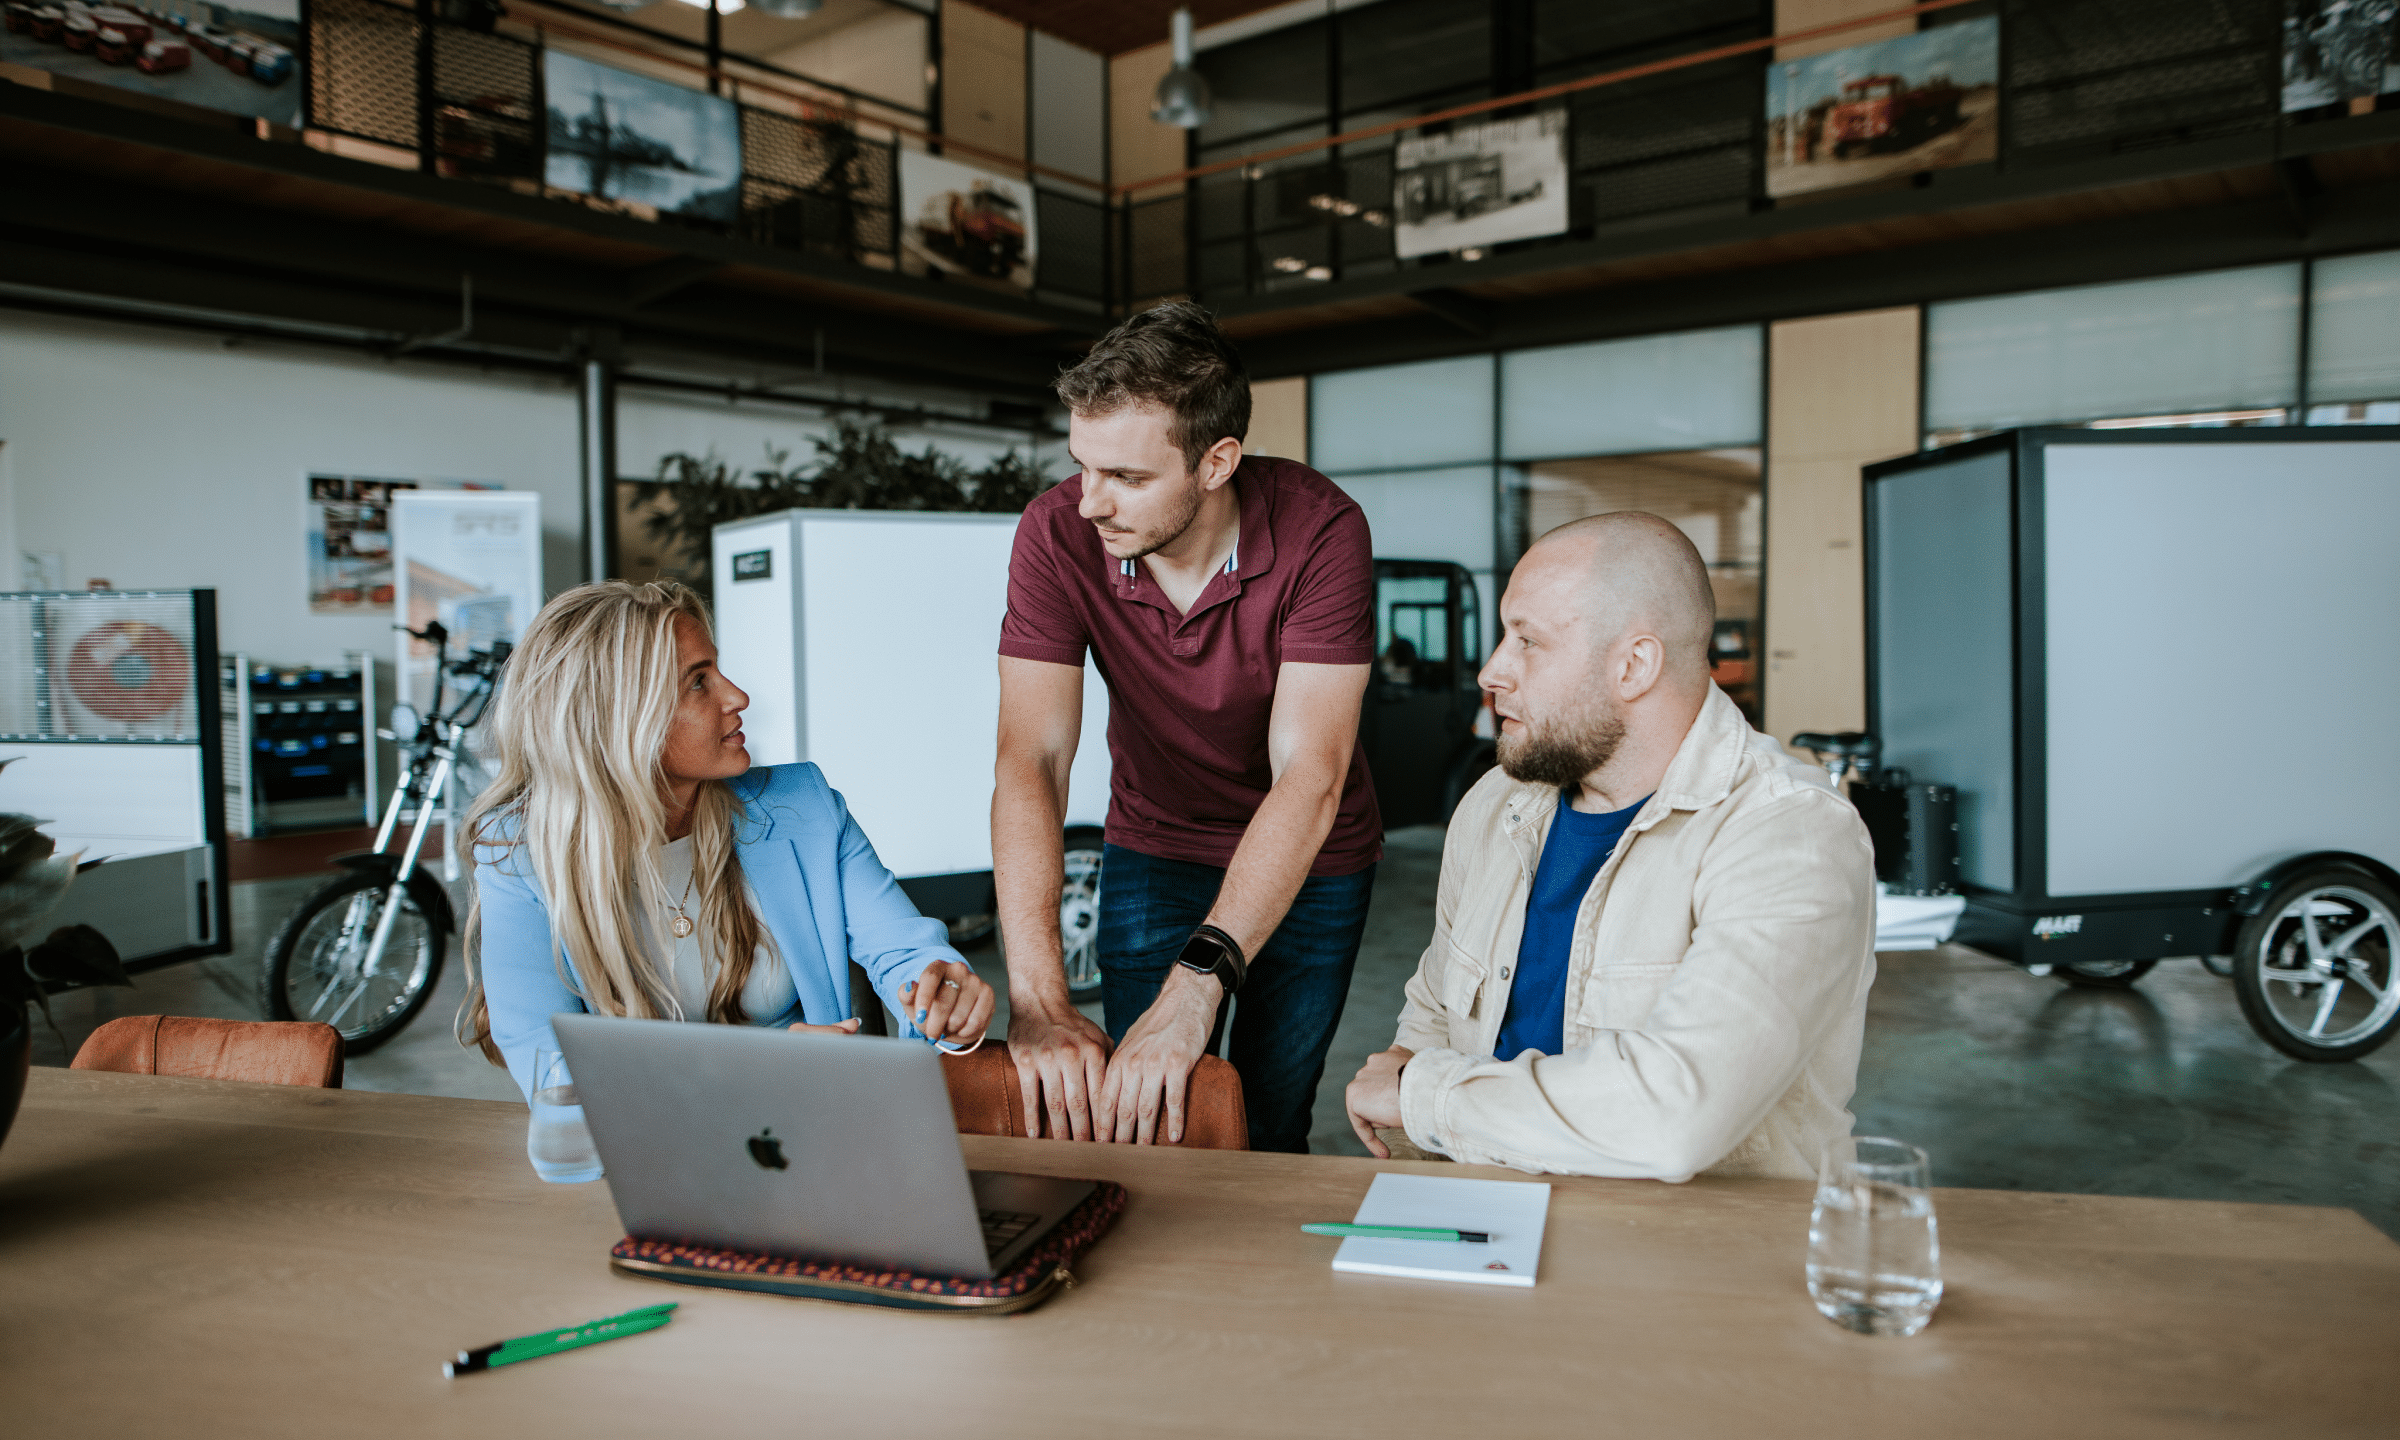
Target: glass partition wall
[1472, 459]
[2316, 342]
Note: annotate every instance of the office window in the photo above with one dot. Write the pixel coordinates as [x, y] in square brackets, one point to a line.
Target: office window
[1436, 412]
[1689, 391]
[2354, 331]
[2225, 341]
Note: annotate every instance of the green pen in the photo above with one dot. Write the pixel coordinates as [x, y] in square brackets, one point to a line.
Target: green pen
[1399, 1232]
[553, 1342]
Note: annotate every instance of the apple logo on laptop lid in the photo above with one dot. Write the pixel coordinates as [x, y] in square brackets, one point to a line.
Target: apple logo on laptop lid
[768, 1151]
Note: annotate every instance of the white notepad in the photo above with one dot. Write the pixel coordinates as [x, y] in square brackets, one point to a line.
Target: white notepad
[1512, 1212]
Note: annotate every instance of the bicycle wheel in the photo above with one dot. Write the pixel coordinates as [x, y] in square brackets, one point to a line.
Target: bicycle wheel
[1079, 914]
[2314, 969]
[317, 965]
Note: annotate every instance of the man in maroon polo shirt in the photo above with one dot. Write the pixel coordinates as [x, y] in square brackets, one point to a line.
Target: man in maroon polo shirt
[1228, 602]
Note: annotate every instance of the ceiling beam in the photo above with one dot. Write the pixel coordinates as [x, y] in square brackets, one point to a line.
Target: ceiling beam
[657, 282]
[1459, 308]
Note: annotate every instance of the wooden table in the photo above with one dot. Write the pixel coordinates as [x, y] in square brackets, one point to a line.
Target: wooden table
[188, 1258]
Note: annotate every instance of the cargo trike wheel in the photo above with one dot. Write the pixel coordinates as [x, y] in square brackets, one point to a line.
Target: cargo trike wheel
[1079, 913]
[2313, 968]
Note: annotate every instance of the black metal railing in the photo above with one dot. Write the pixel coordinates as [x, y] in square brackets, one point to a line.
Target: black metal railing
[466, 101]
[2079, 79]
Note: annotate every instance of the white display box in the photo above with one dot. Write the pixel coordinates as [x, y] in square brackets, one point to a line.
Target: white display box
[2156, 664]
[869, 644]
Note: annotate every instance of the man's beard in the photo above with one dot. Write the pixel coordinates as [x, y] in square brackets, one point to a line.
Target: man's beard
[1562, 752]
[1156, 540]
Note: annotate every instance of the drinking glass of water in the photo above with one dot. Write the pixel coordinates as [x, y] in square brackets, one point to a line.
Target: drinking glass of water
[1874, 1258]
[556, 1141]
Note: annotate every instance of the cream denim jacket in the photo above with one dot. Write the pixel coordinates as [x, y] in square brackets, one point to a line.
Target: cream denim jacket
[1716, 987]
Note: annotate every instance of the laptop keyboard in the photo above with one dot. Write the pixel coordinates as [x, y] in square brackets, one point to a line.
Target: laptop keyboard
[1001, 1228]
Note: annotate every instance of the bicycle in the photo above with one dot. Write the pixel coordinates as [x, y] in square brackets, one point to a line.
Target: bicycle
[336, 950]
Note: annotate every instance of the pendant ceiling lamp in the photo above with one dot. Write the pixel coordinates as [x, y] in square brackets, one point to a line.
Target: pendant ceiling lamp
[1183, 98]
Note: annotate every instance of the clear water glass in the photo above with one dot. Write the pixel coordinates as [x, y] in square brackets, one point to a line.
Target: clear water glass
[555, 1139]
[1874, 1256]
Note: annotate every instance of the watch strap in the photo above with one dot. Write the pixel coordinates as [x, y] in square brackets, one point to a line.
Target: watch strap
[1227, 962]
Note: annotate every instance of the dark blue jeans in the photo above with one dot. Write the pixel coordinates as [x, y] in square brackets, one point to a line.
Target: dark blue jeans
[1283, 1021]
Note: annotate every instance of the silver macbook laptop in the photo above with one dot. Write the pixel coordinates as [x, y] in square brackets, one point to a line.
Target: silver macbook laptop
[840, 1146]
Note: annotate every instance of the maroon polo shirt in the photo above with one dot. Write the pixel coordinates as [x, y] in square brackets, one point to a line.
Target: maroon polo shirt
[1189, 696]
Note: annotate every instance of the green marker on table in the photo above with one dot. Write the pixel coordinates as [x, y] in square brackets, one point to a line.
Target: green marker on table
[1398, 1232]
[554, 1342]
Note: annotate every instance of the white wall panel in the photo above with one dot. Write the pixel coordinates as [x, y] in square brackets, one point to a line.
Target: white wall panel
[159, 458]
[1696, 390]
[1070, 107]
[2227, 339]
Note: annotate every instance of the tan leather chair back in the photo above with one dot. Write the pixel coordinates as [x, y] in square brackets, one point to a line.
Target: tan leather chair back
[269, 1052]
[987, 1100]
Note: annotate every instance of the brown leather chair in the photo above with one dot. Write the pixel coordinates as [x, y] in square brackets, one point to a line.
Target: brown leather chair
[269, 1052]
[985, 1097]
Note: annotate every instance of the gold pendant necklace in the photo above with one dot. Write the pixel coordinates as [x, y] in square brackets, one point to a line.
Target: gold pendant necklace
[681, 925]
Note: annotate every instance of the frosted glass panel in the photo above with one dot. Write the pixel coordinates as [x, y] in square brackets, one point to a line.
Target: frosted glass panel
[1429, 514]
[1438, 412]
[2354, 328]
[1693, 391]
[2225, 340]
[1945, 639]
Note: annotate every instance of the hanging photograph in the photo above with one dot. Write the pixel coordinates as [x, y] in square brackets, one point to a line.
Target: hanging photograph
[964, 221]
[1926, 101]
[2340, 52]
[349, 540]
[1480, 185]
[632, 143]
[350, 544]
[242, 59]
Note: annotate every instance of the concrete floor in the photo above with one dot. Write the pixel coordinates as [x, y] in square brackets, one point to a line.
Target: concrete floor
[2011, 1082]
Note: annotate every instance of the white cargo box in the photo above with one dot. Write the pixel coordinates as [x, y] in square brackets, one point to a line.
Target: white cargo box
[868, 641]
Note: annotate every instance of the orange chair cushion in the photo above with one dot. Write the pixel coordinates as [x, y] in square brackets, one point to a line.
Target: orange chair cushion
[986, 1099]
[268, 1052]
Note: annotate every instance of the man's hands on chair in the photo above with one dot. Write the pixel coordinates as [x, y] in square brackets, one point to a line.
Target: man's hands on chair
[1151, 1069]
[1075, 1088]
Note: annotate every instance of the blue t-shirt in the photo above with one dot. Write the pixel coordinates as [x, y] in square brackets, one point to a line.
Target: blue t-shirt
[1577, 846]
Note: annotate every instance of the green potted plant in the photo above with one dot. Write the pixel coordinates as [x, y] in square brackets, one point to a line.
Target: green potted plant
[32, 879]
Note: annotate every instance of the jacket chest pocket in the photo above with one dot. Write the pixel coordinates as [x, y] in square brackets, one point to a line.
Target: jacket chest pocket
[1621, 997]
[1462, 984]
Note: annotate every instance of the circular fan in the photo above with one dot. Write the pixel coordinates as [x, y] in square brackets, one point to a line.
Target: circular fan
[129, 670]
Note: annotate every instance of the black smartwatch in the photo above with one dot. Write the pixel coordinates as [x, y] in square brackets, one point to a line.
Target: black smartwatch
[1213, 952]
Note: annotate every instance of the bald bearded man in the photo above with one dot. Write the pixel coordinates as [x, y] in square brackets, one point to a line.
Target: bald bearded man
[1655, 930]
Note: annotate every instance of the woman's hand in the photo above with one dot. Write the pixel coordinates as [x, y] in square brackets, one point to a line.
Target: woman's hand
[847, 1027]
[948, 1002]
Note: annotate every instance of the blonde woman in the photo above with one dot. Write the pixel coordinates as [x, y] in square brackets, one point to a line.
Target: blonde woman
[630, 861]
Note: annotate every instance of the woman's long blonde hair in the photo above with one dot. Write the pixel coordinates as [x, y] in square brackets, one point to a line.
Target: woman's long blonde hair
[580, 804]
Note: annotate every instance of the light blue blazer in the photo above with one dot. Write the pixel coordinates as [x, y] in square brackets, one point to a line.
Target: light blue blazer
[822, 894]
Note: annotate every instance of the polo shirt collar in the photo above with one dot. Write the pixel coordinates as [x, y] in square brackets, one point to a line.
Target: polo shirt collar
[1253, 544]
